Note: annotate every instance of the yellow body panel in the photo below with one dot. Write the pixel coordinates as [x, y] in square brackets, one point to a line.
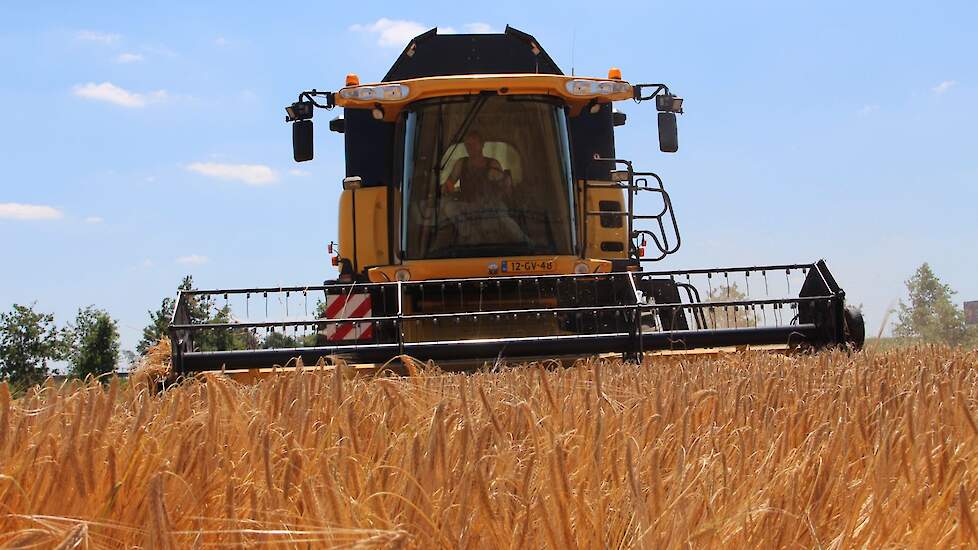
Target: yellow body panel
[457, 268]
[378, 256]
[372, 247]
[503, 84]
[597, 233]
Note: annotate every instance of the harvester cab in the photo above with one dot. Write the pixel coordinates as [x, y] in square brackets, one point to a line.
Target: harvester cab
[485, 215]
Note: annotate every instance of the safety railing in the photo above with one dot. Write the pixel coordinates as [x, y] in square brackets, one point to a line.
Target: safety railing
[659, 227]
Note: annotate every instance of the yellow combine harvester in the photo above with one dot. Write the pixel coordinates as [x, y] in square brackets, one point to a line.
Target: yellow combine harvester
[484, 215]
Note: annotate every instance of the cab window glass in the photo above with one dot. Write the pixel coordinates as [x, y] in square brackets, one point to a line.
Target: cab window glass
[486, 176]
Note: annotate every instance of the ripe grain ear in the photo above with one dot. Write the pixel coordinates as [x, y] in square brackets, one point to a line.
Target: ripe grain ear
[158, 535]
[962, 401]
[77, 537]
[966, 520]
[4, 414]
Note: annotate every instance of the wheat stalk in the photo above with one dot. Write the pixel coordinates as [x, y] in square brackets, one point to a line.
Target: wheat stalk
[826, 450]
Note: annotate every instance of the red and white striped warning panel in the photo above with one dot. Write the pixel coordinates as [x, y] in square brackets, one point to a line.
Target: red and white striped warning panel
[348, 306]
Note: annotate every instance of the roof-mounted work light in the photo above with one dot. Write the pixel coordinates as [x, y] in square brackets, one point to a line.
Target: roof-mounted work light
[386, 92]
[668, 103]
[597, 87]
[300, 110]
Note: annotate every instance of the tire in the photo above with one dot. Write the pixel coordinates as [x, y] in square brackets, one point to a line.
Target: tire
[855, 328]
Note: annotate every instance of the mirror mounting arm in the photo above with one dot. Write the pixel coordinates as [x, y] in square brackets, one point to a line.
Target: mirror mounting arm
[665, 101]
[300, 114]
[640, 94]
[310, 95]
[303, 109]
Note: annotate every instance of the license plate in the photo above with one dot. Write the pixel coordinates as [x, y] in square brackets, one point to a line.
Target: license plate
[527, 266]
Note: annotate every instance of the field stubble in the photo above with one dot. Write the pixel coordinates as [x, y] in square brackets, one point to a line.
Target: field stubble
[829, 450]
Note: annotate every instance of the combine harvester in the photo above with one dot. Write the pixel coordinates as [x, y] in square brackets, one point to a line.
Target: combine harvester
[485, 215]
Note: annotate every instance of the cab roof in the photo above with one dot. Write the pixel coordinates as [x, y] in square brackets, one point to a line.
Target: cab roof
[509, 52]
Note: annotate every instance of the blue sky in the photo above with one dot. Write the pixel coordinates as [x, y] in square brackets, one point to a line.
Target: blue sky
[142, 141]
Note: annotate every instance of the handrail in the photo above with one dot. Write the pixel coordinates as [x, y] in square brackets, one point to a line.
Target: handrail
[632, 186]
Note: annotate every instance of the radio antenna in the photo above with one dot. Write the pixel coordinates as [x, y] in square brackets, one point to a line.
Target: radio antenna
[573, 43]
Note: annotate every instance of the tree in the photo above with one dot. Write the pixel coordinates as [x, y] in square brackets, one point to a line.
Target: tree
[728, 316]
[221, 338]
[159, 320]
[96, 343]
[279, 340]
[200, 310]
[931, 315]
[28, 341]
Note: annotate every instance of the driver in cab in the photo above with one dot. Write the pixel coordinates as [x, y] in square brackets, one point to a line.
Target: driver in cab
[479, 175]
[476, 186]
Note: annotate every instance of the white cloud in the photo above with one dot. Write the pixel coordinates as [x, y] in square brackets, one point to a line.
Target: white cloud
[478, 28]
[298, 173]
[16, 211]
[391, 32]
[192, 259]
[128, 57]
[111, 93]
[94, 219]
[943, 86]
[250, 174]
[96, 36]
[868, 109]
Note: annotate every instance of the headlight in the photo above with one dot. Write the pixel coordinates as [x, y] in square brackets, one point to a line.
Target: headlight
[402, 275]
[597, 87]
[387, 92]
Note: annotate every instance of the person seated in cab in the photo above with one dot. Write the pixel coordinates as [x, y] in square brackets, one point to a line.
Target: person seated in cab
[476, 188]
[480, 176]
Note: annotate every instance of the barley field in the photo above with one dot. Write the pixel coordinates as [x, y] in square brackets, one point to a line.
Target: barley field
[874, 449]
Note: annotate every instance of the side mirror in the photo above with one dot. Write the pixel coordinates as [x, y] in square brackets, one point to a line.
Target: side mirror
[668, 133]
[302, 140]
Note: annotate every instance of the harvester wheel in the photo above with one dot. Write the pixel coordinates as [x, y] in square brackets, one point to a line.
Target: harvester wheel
[855, 328]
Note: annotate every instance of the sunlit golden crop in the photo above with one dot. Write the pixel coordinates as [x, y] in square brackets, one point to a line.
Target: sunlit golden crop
[760, 451]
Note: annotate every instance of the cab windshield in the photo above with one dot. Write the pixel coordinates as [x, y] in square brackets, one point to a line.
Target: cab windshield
[486, 176]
